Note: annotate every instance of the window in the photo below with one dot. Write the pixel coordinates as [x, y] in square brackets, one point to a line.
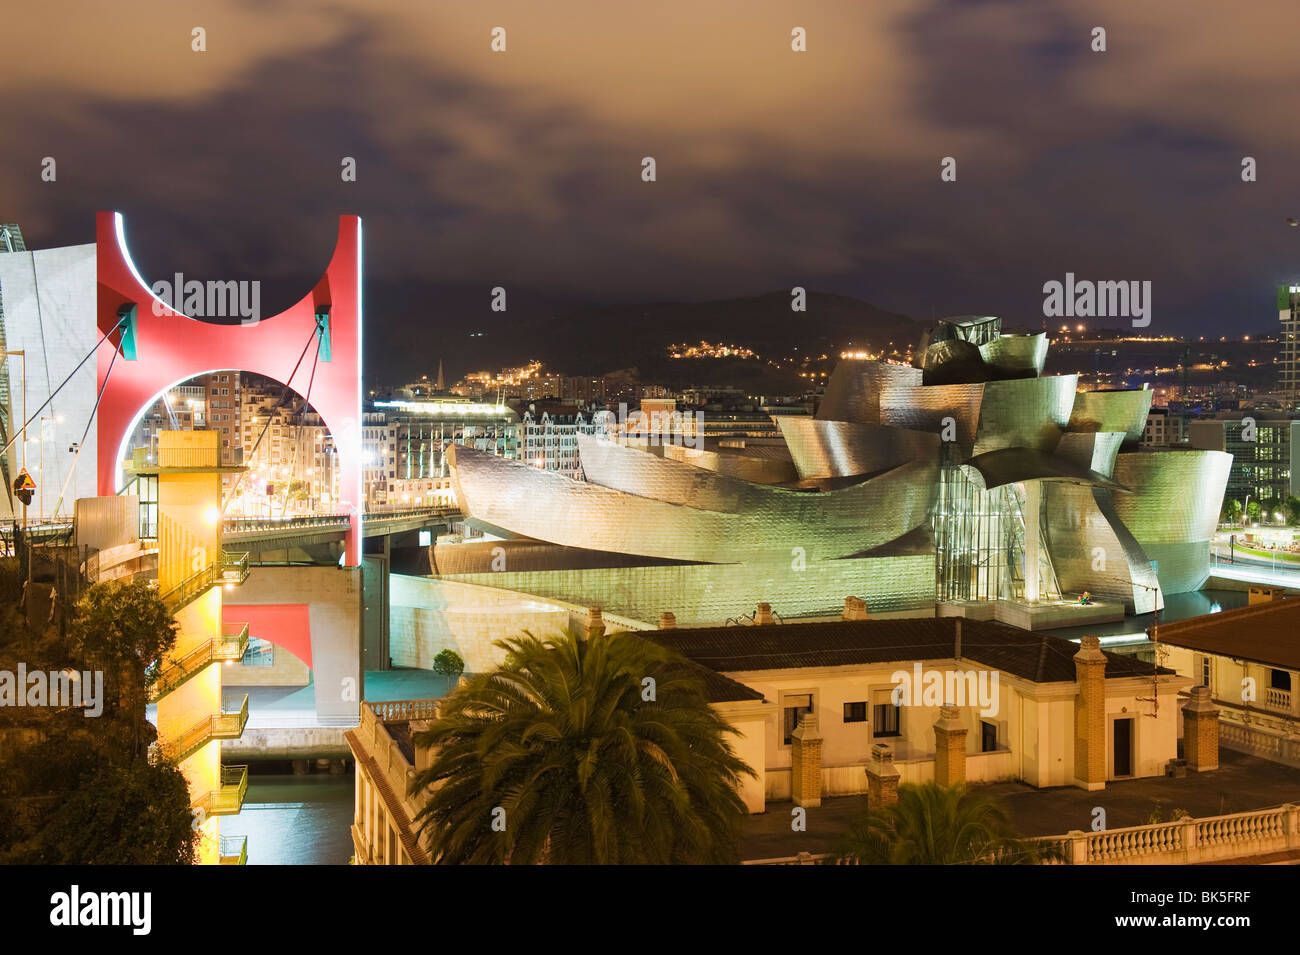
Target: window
[260, 653]
[1279, 680]
[988, 736]
[795, 704]
[855, 712]
[1205, 671]
[886, 720]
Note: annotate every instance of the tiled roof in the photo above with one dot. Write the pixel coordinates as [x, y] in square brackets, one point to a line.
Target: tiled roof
[1039, 657]
[1267, 633]
[719, 688]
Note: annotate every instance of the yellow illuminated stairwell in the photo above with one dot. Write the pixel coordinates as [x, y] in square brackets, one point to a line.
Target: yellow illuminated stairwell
[192, 578]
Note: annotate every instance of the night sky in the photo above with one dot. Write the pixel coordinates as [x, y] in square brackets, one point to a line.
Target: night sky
[523, 169]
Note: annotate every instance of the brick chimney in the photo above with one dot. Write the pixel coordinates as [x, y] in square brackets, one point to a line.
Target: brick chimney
[855, 608]
[763, 616]
[1090, 715]
[806, 762]
[949, 747]
[667, 620]
[595, 623]
[1201, 731]
[882, 777]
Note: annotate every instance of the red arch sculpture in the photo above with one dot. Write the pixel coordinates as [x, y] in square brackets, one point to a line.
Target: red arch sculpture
[155, 352]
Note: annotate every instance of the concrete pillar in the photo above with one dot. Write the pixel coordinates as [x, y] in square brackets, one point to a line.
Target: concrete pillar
[1090, 715]
[806, 762]
[1201, 731]
[855, 608]
[667, 620]
[1033, 521]
[763, 616]
[949, 747]
[595, 623]
[882, 777]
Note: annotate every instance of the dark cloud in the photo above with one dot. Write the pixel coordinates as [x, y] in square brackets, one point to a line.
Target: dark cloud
[775, 168]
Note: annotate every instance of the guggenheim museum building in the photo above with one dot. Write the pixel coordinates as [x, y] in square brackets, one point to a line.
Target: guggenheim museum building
[967, 483]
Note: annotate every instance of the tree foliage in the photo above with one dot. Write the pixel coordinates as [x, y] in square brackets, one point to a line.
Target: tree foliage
[81, 789]
[566, 755]
[448, 663]
[938, 825]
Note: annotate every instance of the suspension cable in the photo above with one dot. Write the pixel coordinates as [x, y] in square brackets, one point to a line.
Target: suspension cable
[256, 444]
[72, 468]
[23, 430]
[306, 401]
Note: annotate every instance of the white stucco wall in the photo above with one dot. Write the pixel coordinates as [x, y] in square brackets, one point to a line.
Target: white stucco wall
[55, 336]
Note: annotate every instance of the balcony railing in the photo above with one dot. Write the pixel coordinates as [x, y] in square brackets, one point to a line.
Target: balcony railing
[228, 798]
[217, 726]
[227, 569]
[230, 646]
[234, 850]
[1279, 700]
[398, 711]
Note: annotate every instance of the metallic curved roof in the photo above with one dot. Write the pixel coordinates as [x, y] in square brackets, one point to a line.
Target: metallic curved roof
[679, 513]
[854, 389]
[1016, 356]
[1177, 495]
[822, 448]
[1094, 450]
[1025, 412]
[1112, 411]
[761, 464]
[1010, 465]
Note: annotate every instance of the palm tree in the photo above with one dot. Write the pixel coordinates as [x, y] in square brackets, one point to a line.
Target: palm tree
[939, 825]
[581, 751]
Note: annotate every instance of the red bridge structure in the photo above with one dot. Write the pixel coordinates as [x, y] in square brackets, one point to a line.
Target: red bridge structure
[154, 348]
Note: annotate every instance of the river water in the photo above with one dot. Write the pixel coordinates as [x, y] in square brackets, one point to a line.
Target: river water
[296, 820]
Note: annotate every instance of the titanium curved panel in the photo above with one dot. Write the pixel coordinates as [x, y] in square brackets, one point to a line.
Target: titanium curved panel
[1011, 465]
[1094, 450]
[1016, 356]
[769, 524]
[1112, 411]
[1025, 412]
[921, 408]
[1177, 495]
[746, 467]
[953, 362]
[844, 448]
[1092, 550]
[854, 389]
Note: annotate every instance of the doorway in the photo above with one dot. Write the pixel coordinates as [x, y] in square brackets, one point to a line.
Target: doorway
[1122, 748]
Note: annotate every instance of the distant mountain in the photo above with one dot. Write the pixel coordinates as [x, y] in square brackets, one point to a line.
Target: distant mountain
[598, 340]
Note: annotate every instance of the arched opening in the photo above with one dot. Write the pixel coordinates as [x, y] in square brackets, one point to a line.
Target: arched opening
[271, 430]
